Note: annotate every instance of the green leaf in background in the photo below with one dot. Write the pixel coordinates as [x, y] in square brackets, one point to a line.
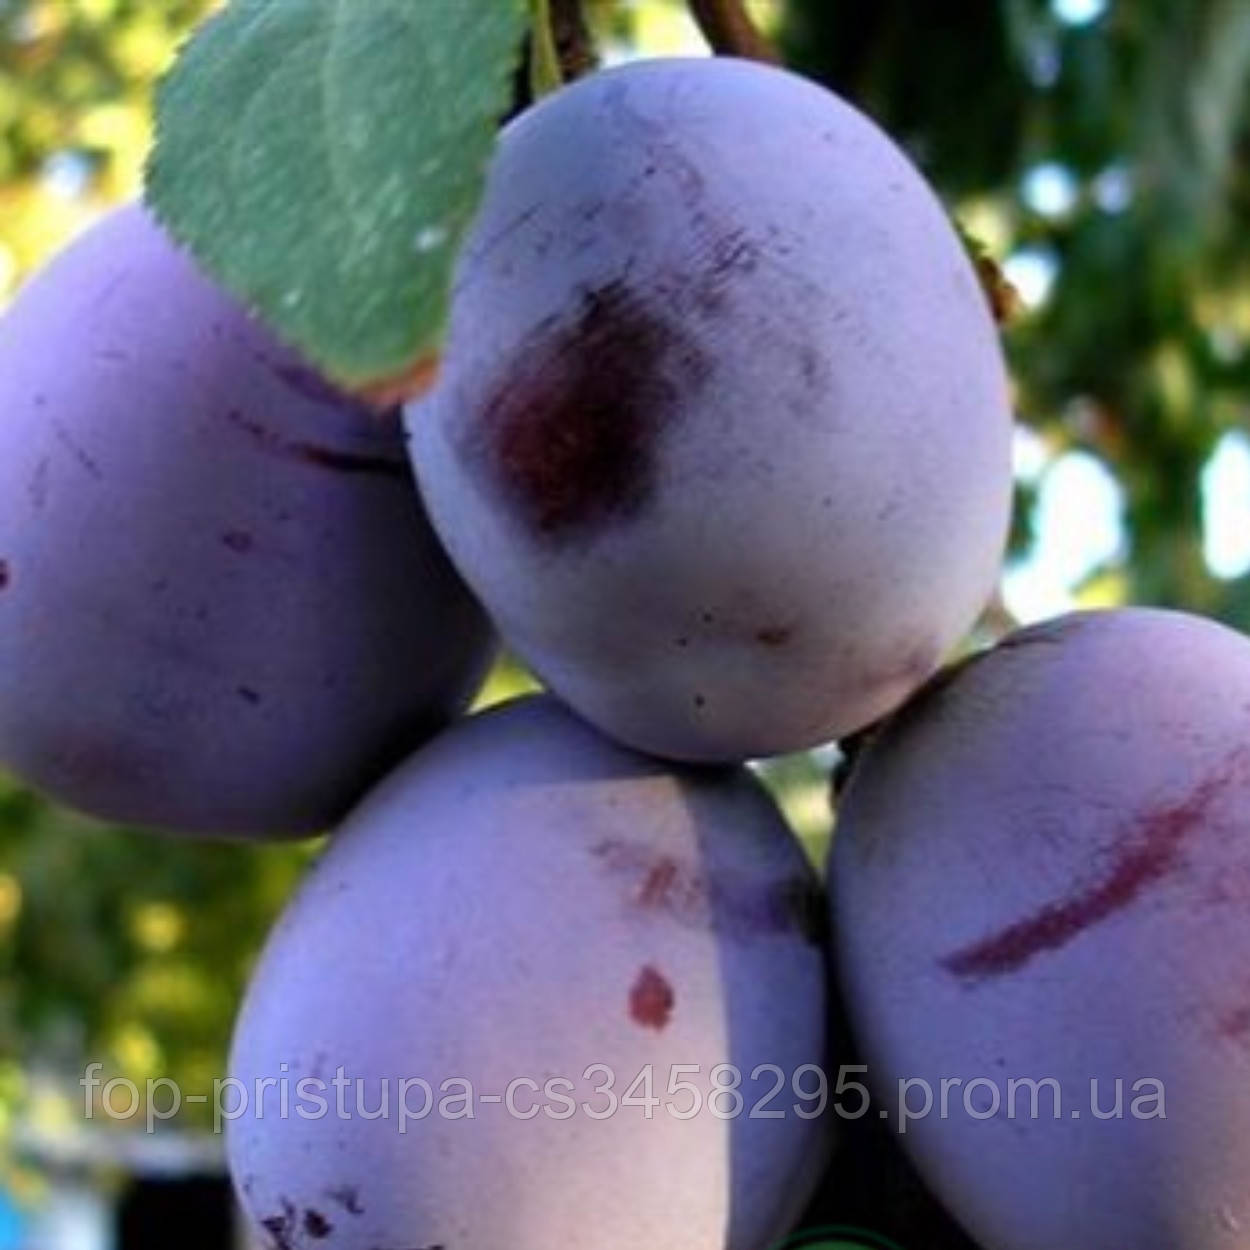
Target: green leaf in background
[322, 158]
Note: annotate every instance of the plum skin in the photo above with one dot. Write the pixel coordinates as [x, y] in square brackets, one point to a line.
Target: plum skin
[222, 609]
[1040, 871]
[523, 899]
[722, 436]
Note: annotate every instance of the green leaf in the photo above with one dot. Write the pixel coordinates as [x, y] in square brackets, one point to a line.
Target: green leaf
[323, 158]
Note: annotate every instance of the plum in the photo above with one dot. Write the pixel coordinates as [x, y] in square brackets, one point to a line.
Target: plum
[722, 438]
[1041, 874]
[525, 901]
[221, 606]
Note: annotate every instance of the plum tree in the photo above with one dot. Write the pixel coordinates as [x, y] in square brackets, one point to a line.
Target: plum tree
[1040, 875]
[723, 438]
[221, 606]
[525, 901]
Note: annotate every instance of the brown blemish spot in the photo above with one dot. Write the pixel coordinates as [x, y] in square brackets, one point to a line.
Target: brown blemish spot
[1145, 854]
[276, 1227]
[664, 156]
[6, 575]
[734, 252]
[348, 1197]
[350, 462]
[248, 695]
[569, 434]
[700, 701]
[774, 635]
[316, 1225]
[282, 1228]
[736, 905]
[239, 541]
[89, 465]
[651, 1000]
[731, 255]
[1236, 1025]
[659, 882]
[505, 233]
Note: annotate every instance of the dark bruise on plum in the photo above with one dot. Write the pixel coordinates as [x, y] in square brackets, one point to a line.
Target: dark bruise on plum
[568, 433]
[1147, 853]
[282, 1228]
[734, 905]
[346, 1196]
[316, 1225]
[651, 999]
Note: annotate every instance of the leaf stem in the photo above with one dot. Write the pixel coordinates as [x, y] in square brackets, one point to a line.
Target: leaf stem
[730, 30]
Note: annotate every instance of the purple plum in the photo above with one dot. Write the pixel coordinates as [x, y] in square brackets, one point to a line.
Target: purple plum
[564, 941]
[1041, 886]
[723, 437]
[221, 607]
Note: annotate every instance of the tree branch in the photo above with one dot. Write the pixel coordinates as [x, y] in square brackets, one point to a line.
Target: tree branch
[729, 29]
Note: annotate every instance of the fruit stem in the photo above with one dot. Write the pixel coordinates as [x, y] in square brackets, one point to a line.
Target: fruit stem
[1002, 297]
[546, 73]
[730, 30]
[575, 46]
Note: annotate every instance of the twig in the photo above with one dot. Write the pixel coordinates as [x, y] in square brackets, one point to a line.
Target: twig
[729, 29]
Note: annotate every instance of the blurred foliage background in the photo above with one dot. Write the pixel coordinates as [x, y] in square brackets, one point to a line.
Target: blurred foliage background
[1100, 149]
